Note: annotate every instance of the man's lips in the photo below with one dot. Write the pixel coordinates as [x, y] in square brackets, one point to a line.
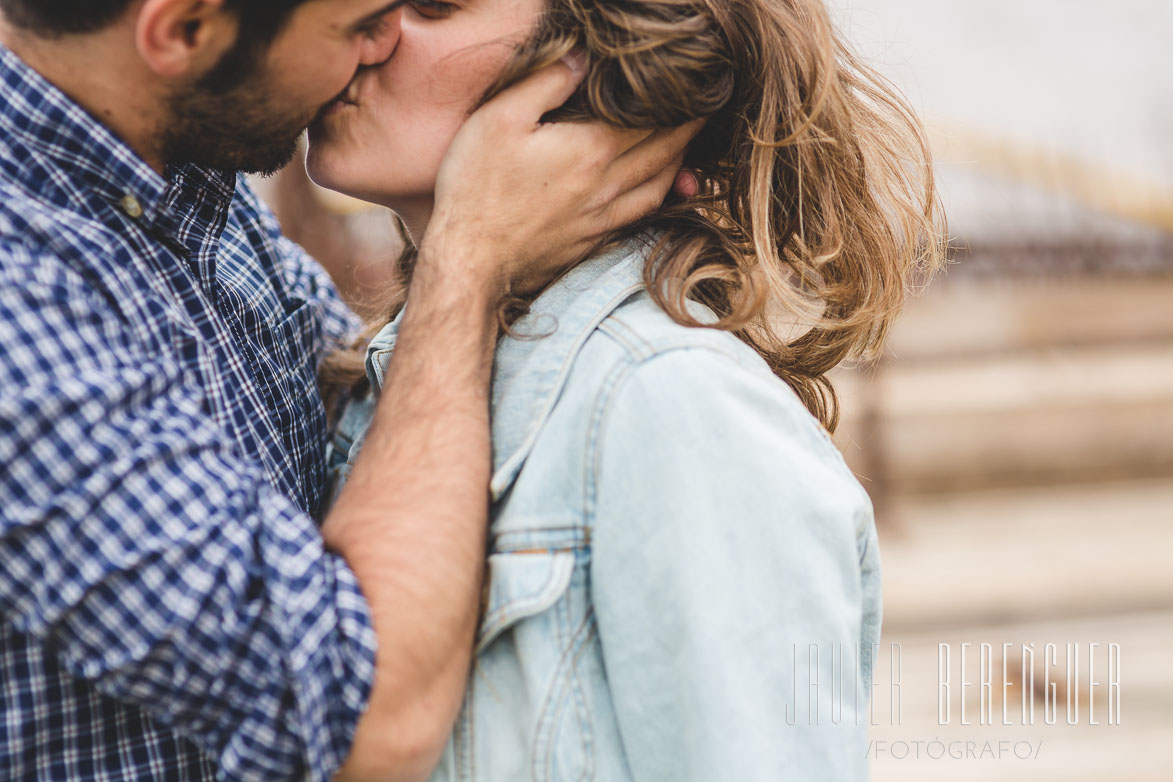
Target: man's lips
[350, 94]
[348, 97]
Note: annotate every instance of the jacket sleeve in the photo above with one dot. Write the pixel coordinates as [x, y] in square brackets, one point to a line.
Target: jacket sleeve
[144, 552]
[726, 564]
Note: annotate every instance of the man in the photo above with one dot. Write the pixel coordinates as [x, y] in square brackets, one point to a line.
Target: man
[169, 608]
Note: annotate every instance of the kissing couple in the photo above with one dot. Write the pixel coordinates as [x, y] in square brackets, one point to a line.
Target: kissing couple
[563, 512]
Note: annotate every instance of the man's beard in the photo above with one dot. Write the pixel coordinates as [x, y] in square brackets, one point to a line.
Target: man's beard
[230, 120]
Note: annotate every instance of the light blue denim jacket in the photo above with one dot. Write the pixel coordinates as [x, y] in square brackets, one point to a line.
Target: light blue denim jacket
[682, 571]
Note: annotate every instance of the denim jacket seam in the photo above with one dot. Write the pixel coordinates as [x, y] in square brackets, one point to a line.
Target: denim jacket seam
[571, 536]
[625, 366]
[588, 630]
[565, 688]
[614, 378]
[634, 344]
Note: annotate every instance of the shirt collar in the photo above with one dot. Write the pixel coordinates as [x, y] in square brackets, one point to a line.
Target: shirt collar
[532, 366]
[41, 118]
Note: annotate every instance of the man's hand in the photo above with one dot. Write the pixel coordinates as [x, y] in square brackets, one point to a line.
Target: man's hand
[518, 201]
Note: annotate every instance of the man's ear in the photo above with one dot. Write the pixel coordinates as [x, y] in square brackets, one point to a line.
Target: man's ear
[178, 38]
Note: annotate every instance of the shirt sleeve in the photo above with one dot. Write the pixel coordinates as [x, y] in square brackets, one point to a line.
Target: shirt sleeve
[726, 546]
[143, 551]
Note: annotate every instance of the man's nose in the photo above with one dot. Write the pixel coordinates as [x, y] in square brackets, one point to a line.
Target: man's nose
[381, 42]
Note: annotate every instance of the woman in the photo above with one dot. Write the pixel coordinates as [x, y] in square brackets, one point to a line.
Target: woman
[683, 575]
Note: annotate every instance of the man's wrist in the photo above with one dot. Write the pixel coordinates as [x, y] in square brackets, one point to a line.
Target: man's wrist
[448, 285]
[478, 262]
[451, 282]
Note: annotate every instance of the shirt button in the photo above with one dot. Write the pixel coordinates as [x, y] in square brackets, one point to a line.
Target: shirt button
[131, 206]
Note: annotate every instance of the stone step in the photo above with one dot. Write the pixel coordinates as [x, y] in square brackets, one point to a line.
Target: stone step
[1032, 417]
[999, 556]
[962, 318]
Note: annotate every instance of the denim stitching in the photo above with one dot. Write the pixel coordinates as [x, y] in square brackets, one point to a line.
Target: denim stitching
[580, 697]
[497, 616]
[608, 392]
[554, 708]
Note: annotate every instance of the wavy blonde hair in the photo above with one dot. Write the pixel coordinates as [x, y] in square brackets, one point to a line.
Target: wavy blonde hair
[817, 213]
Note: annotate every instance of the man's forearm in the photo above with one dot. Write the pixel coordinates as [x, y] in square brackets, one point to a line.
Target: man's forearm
[412, 520]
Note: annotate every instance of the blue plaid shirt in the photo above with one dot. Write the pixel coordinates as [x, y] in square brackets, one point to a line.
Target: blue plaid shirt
[167, 610]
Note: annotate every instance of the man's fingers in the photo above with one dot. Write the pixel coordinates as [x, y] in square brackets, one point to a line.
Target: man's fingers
[627, 140]
[608, 142]
[642, 200]
[686, 184]
[540, 92]
[648, 158]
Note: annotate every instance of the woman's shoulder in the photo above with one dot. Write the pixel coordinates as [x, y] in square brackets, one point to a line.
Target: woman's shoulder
[693, 376]
[638, 331]
[649, 328]
[643, 338]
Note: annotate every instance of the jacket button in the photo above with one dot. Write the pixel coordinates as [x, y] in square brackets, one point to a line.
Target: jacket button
[131, 206]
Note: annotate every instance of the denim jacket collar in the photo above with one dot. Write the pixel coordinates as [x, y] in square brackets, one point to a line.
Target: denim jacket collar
[532, 366]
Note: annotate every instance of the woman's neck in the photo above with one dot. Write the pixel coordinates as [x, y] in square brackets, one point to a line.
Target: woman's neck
[415, 213]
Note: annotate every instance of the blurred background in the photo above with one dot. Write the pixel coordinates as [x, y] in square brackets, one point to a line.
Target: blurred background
[1018, 438]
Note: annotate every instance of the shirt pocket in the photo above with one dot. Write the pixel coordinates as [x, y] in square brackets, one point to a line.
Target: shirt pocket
[297, 335]
[522, 585]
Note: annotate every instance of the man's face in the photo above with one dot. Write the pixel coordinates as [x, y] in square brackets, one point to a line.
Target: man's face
[249, 112]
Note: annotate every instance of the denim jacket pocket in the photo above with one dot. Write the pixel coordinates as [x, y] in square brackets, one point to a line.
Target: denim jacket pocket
[521, 585]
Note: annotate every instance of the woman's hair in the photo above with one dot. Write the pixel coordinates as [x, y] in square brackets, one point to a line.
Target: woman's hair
[817, 211]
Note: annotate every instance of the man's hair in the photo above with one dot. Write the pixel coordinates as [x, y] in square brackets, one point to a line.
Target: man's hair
[260, 21]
